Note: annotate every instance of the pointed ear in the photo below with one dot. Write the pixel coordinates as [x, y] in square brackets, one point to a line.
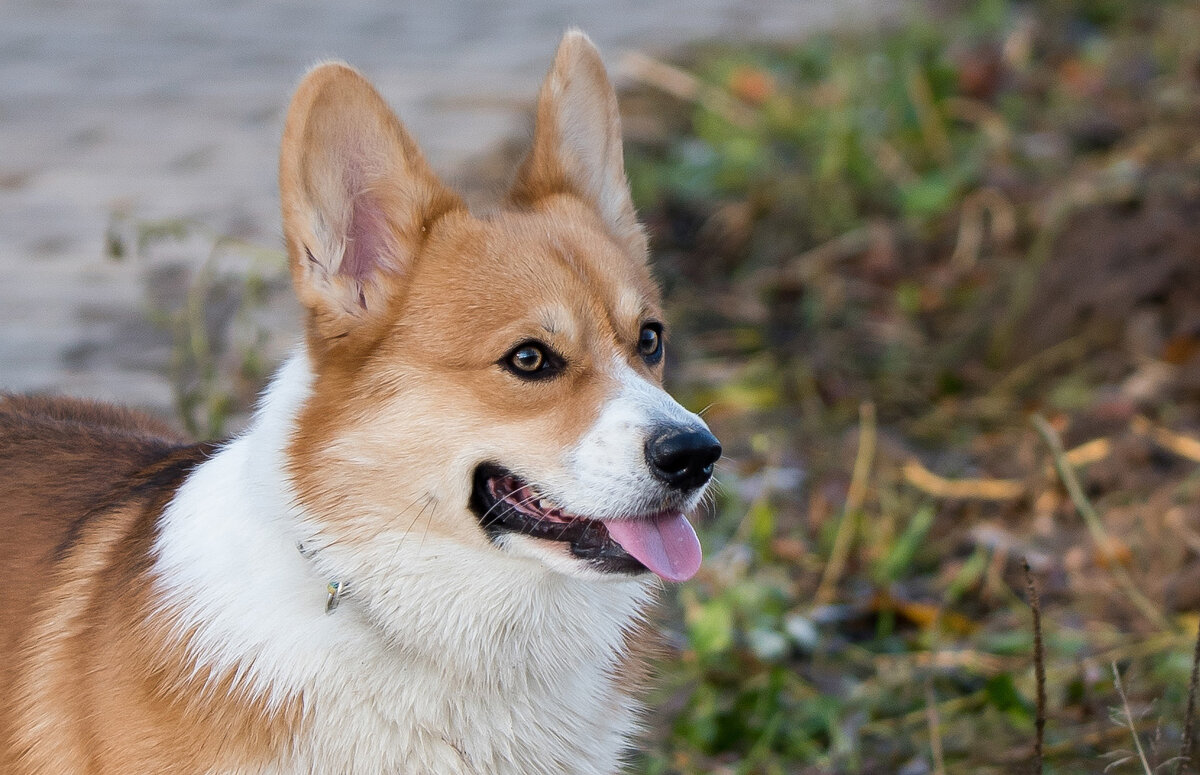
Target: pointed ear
[357, 200]
[577, 142]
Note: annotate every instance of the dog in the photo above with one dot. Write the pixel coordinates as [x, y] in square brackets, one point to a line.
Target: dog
[434, 548]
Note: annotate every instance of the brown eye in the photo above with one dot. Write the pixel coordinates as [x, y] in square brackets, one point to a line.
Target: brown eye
[650, 343]
[528, 359]
[533, 360]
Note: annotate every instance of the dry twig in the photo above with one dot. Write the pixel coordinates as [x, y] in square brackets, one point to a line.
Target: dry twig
[986, 204]
[1137, 741]
[1089, 452]
[965, 489]
[935, 730]
[1039, 667]
[1092, 519]
[1189, 717]
[810, 264]
[854, 501]
[684, 86]
[1184, 446]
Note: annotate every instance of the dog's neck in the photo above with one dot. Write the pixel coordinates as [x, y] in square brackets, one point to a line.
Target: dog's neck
[485, 663]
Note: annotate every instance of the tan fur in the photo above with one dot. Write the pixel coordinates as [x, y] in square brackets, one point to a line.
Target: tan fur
[404, 333]
[457, 293]
[89, 683]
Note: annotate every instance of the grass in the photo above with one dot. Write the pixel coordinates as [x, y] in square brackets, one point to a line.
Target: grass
[212, 308]
[940, 284]
[890, 255]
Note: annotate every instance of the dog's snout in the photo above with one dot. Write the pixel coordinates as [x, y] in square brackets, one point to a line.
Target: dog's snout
[682, 457]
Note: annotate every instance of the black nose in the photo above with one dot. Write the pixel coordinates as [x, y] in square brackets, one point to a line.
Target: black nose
[683, 458]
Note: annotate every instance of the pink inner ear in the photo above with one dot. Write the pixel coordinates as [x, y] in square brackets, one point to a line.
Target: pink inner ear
[367, 242]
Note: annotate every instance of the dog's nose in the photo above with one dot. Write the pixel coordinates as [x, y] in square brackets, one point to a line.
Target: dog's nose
[683, 457]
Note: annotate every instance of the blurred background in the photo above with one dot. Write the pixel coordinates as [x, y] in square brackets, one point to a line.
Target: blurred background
[138, 110]
[933, 270]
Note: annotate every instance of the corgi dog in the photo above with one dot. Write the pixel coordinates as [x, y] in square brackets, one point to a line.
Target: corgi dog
[433, 549]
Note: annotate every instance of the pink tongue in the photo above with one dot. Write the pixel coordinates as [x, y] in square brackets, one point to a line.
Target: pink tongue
[666, 545]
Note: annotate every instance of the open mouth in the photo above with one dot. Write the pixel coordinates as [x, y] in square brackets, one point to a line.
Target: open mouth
[664, 542]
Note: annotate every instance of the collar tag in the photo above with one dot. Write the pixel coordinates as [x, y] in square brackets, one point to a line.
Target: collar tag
[335, 590]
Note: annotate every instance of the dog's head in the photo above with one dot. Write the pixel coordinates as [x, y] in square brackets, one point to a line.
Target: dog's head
[489, 384]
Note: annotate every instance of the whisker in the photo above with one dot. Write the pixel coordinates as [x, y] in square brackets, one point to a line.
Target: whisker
[563, 531]
[538, 493]
[428, 524]
[428, 498]
[483, 520]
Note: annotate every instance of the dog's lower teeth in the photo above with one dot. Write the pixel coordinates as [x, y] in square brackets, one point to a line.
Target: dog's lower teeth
[545, 505]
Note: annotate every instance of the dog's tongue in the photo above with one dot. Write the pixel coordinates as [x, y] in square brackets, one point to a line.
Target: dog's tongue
[666, 545]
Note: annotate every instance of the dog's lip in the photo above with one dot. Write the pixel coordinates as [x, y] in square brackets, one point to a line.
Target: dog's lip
[503, 503]
[663, 542]
[520, 496]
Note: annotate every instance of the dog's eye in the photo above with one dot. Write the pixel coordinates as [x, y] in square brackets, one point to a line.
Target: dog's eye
[532, 360]
[650, 343]
[528, 359]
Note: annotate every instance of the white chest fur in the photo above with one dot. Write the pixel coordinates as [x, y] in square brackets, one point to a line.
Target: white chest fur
[488, 664]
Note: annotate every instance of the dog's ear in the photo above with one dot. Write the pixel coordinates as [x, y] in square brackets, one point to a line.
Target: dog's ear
[357, 200]
[577, 142]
